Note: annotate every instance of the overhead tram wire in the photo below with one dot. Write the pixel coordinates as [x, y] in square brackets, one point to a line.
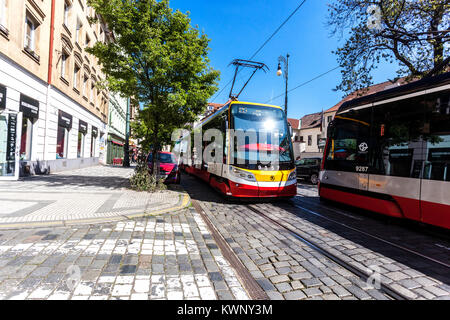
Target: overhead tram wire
[264, 44]
[304, 83]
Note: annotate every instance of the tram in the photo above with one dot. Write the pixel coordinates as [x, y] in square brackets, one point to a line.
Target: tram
[248, 168]
[389, 153]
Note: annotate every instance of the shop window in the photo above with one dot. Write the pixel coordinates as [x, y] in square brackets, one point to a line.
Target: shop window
[26, 139]
[62, 142]
[94, 135]
[80, 146]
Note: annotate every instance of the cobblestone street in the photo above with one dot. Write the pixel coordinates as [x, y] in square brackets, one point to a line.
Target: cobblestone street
[286, 268]
[176, 255]
[167, 257]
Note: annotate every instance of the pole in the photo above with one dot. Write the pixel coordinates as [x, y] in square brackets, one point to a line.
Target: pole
[126, 160]
[287, 78]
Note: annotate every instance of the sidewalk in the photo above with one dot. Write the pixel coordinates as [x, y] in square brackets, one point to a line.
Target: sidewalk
[95, 194]
[161, 249]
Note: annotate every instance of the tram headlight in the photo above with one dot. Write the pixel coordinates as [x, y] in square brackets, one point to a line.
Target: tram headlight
[243, 174]
[293, 175]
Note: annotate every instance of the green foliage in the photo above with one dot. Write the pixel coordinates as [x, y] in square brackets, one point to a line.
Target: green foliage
[414, 33]
[143, 181]
[160, 60]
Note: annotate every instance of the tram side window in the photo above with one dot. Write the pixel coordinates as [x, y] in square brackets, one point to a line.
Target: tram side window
[437, 137]
[350, 141]
[397, 137]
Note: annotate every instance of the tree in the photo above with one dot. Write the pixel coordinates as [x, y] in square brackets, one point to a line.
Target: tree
[160, 60]
[414, 33]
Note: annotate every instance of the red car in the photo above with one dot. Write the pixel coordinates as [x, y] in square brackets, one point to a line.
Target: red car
[168, 167]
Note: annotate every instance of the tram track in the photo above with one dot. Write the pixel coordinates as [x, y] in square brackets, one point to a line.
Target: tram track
[367, 234]
[384, 288]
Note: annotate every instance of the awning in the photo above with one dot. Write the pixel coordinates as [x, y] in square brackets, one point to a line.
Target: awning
[2, 97]
[117, 142]
[29, 107]
[64, 120]
[82, 127]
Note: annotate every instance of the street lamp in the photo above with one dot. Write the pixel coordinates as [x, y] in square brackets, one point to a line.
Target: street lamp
[284, 60]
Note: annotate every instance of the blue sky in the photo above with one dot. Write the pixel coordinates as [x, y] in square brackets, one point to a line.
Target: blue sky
[237, 28]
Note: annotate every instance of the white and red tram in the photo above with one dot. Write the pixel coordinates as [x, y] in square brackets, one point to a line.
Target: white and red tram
[390, 153]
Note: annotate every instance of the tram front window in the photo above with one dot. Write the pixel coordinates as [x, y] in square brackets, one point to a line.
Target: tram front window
[261, 138]
[349, 145]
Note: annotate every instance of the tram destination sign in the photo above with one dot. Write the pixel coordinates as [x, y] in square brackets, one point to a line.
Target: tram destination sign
[2, 97]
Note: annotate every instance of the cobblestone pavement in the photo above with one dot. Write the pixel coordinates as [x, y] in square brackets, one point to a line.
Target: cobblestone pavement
[98, 192]
[171, 256]
[288, 269]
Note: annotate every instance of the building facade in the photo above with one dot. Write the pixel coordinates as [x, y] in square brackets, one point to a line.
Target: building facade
[52, 116]
[117, 127]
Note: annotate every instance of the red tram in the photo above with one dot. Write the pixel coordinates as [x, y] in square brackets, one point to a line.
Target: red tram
[390, 153]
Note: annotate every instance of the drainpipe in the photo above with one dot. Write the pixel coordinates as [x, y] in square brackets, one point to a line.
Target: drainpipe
[126, 160]
[49, 75]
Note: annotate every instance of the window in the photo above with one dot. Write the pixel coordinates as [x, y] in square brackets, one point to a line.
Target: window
[329, 119]
[3, 13]
[398, 129]
[302, 139]
[92, 95]
[309, 140]
[318, 139]
[30, 34]
[349, 145]
[26, 139]
[62, 142]
[79, 32]
[85, 85]
[437, 138]
[66, 13]
[93, 142]
[87, 42]
[64, 65]
[76, 77]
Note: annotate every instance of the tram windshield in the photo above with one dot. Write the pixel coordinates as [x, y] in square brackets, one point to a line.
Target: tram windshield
[261, 138]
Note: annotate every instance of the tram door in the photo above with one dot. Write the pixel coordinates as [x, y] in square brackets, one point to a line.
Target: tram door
[10, 132]
[435, 189]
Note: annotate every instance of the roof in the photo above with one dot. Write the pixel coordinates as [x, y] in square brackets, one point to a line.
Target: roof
[369, 91]
[403, 89]
[312, 121]
[295, 123]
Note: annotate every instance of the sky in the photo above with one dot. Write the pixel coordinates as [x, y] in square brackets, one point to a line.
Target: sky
[237, 28]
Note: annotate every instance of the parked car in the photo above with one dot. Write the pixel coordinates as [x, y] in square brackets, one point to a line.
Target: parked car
[309, 169]
[168, 167]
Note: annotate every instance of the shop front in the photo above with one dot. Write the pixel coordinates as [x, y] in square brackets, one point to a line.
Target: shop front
[115, 149]
[10, 132]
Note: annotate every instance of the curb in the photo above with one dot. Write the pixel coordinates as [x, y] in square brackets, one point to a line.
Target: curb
[184, 202]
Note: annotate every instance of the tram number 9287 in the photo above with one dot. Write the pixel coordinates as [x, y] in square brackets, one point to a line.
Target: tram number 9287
[362, 169]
